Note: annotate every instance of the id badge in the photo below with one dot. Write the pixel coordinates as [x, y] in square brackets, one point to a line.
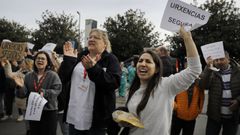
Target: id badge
[84, 84]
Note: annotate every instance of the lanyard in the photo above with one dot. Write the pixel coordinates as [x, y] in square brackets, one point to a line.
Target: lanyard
[84, 73]
[38, 87]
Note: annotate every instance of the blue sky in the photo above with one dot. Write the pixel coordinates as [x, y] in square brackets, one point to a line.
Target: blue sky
[26, 12]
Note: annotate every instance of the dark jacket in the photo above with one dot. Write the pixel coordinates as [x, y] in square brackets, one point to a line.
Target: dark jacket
[106, 81]
[212, 80]
[168, 66]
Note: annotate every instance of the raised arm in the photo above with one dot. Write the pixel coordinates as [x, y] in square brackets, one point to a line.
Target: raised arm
[7, 69]
[182, 80]
[191, 48]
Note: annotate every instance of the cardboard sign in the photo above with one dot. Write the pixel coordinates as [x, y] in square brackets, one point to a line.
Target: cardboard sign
[215, 50]
[13, 50]
[179, 13]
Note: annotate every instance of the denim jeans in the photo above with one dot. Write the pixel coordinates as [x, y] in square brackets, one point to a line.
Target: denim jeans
[95, 131]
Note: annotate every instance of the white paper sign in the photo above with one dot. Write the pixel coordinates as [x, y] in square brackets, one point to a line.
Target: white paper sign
[30, 45]
[35, 106]
[48, 47]
[177, 13]
[215, 50]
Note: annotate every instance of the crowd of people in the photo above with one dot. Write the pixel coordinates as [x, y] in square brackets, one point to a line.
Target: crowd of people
[81, 97]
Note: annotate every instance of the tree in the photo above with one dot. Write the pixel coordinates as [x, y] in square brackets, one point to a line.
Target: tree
[13, 31]
[223, 25]
[130, 33]
[55, 28]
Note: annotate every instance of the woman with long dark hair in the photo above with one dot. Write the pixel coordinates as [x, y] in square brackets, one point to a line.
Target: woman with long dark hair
[151, 96]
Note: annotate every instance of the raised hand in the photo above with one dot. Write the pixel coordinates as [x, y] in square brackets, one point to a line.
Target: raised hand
[209, 61]
[184, 34]
[68, 50]
[18, 80]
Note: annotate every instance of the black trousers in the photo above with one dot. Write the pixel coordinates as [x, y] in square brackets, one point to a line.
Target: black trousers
[229, 127]
[92, 131]
[46, 126]
[178, 124]
[8, 100]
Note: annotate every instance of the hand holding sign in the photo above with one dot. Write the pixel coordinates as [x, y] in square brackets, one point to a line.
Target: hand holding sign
[184, 34]
[35, 106]
[215, 50]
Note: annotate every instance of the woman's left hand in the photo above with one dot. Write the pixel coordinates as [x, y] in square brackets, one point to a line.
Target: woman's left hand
[89, 62]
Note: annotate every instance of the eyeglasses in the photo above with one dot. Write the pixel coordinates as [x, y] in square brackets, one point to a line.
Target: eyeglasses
[40, 58]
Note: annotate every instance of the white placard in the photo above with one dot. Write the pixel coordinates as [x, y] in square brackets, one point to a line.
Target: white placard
[215, 50]
[30, 45]
[177, 13]
[48, 47]
[35, 106]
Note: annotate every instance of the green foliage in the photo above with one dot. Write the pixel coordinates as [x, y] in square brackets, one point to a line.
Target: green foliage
[223, 25]
[13, 31]
[130, 33]
[55, 28]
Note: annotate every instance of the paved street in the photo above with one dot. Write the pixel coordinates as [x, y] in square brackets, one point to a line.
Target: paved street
[11, 127]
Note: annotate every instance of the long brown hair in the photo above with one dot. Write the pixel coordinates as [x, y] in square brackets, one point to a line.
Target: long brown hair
[153, 82]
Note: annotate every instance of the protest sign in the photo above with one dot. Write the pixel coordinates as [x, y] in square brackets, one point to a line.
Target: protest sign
[30, 45]
[13, 50]
[215, 50]
[35, 106]
[48, 47]
[179, 13]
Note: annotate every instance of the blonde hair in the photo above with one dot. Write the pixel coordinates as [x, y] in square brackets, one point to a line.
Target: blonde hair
[29, 64]
[105, 38]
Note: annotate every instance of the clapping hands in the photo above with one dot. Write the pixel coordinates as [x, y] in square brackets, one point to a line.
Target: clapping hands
[89, 62]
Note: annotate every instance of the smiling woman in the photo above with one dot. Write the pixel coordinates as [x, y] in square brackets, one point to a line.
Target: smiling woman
[151, 95]
[94, 75]
[47, 83]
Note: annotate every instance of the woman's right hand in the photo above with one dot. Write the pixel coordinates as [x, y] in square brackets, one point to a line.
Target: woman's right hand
[68, 50]
[184, 34]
